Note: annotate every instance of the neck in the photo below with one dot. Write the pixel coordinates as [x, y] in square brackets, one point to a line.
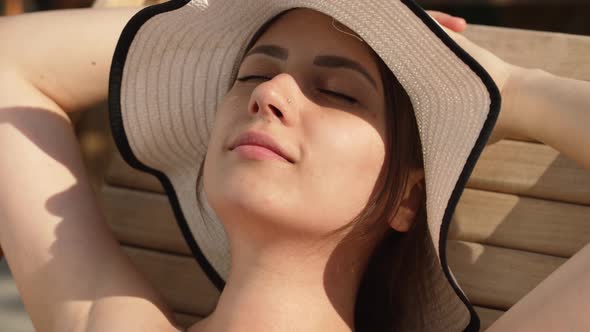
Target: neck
[287, 285]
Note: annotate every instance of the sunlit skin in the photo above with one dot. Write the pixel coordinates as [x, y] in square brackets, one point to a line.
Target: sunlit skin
[330, 119]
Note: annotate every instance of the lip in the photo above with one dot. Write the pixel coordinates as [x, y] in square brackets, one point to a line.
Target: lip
[260, 139]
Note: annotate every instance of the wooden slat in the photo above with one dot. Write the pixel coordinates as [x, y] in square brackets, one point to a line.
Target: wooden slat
[179, 279]
[531, 169]
[487, 316]
[95, 139]
[186, 320]
[121, 174]
[541, 226]
[142, 219]
[562, 54]
[497, 277]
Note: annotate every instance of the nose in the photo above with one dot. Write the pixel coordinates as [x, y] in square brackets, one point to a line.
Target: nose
[275, 100]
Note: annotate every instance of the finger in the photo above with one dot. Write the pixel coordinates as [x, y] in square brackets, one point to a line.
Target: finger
[459, 24]
[454, 23]
[439, 16]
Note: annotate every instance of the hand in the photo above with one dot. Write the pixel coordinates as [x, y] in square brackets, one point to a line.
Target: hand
[454, 23]
[502, 73]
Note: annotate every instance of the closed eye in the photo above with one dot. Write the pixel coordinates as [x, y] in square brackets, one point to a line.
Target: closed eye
[253, 77]
[342, 96]
[339, 95]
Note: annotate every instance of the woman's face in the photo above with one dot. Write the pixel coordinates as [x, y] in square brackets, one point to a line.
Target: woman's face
[317, 92]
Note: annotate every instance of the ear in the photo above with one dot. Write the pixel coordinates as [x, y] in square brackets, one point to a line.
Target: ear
[413, 198]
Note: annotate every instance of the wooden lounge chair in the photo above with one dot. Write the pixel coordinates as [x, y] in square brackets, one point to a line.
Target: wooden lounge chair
[526, 209]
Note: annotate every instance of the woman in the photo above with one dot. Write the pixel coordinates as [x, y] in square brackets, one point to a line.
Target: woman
[271, 256]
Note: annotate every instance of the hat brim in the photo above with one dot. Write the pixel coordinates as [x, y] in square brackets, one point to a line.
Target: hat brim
[160, 116]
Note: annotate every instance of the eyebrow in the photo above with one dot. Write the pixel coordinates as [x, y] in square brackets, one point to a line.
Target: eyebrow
[270, 50]
[328, 61]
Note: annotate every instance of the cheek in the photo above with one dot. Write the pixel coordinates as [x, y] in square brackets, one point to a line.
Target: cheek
[345, 162]
[225, 119]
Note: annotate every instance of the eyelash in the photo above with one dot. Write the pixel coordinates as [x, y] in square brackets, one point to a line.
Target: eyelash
[339, 95]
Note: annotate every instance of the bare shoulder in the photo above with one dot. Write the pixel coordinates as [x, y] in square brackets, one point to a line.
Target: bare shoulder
[559, 303]
[64, 53]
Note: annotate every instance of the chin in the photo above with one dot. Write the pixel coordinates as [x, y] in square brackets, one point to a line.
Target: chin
[261, 195]
[249, 194]
[263, 209]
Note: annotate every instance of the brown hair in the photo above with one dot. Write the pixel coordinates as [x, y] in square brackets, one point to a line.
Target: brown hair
[391, 293]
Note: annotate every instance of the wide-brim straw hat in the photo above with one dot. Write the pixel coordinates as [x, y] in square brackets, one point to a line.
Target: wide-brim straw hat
[175, 61]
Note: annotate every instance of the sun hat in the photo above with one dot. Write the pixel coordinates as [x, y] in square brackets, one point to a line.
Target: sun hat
[175, 61]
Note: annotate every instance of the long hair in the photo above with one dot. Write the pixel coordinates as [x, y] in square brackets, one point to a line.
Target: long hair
[391, 293]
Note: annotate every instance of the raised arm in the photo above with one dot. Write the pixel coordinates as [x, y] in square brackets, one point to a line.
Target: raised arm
[538, 105]
[70, 271]
[63, 55]
[553, 110]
